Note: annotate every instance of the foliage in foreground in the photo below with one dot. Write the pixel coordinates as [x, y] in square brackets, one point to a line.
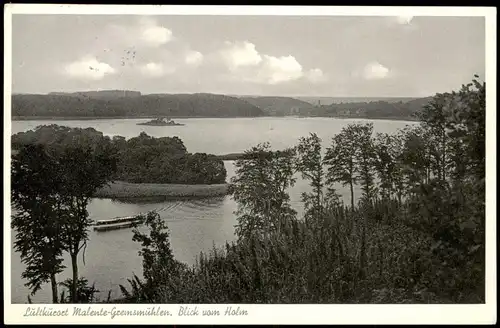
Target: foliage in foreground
[50, 190]
[415, 236]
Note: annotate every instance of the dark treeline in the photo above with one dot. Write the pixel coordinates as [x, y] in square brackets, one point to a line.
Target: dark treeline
[279, 106]
[285, 106]
[141, 159]
[373, 109]
[115, 103]
[101, 94]
[91, 105]
[416, 235]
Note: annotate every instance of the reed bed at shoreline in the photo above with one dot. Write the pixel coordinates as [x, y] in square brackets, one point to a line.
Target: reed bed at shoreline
[121, 189]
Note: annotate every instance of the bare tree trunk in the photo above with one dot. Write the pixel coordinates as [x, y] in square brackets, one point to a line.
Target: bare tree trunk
[352, 195]
[74, 286]
[362, 260]
[444, 155]
[318, 197]
[53, 283]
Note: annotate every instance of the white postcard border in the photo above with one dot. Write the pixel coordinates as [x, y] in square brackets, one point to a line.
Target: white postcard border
[269, 314]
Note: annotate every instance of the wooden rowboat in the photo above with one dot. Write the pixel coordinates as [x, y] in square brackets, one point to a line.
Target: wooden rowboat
[116, 223]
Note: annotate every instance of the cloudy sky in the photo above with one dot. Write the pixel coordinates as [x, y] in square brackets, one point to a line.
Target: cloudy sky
[262, 55]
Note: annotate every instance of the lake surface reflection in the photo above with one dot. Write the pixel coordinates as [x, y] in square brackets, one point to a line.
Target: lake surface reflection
[195, 225]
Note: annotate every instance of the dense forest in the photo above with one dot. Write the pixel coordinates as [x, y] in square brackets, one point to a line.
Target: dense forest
[372, 109]
[279, 106]
[416, 235]
[100, 94]
[286, 106]
[116, 103]
[322, 100]
[111, 105]
[142, 159]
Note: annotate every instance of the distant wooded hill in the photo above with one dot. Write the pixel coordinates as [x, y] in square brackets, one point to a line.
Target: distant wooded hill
[130, 104]
[338, 100]
[124, 103]
[101, 94]
[372, 109]
[395, 108]
[279, 106]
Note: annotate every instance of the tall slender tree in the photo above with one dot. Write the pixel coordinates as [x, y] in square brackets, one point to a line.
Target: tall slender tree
[365, 158]
[310, 165]
[341, 161]
[84, 171]
[37, 218]
[415, 159]
[434, 118]
[260, 189]
[385, 163]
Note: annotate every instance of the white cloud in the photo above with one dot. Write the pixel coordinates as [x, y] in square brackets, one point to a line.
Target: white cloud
[240, 54]
[375, 71]
[156, 35]
[88, 68]
[156, 69]
[280, 69]
[147, 32]
[194, 58]
[245, 63]
[316, 75]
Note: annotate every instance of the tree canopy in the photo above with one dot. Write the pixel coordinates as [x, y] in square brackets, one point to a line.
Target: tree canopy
[141, 159]
[89, 105]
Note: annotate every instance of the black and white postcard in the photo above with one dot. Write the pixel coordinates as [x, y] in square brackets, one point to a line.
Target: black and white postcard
[240, 165]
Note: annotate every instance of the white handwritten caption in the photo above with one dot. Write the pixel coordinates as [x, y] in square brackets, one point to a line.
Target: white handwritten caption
[154, 311]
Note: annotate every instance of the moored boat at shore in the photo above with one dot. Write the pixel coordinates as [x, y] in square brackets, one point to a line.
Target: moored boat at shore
[116, 223]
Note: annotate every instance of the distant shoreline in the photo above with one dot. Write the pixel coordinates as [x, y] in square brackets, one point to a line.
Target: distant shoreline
[409, 119]
[97, 118]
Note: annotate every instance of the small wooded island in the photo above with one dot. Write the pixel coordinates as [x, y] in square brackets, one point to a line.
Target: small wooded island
[160, 121]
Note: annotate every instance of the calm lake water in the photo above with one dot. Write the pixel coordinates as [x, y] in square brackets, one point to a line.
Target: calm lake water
[195, 226]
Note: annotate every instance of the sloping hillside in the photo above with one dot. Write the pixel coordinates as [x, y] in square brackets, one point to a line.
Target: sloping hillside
[101, 94]
[337, 100]
[416, 104]
[173, 105]
[279, 106]
[373, 109]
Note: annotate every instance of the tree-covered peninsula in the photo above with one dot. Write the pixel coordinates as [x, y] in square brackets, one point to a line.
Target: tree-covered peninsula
[141, 159]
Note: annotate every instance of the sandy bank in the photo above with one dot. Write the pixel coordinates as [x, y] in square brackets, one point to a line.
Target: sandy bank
[120, 189]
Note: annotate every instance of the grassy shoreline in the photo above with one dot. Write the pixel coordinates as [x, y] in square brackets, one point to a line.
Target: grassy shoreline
[127, 190]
